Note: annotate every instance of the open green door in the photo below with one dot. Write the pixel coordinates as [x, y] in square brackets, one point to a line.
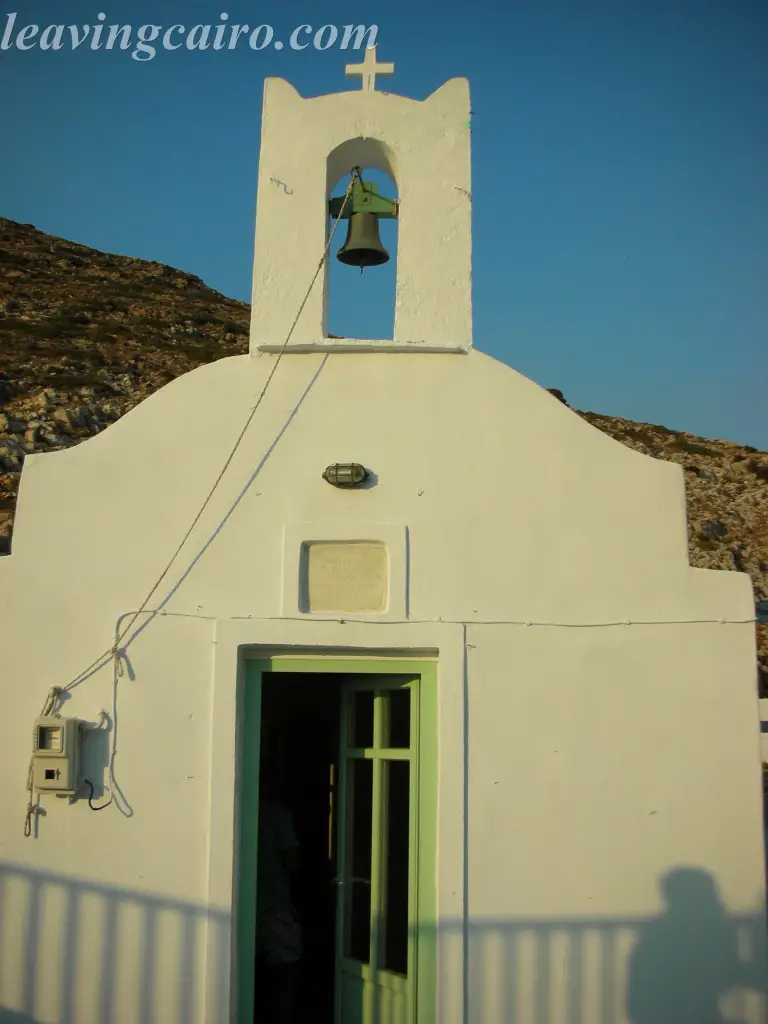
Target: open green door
[378, 817]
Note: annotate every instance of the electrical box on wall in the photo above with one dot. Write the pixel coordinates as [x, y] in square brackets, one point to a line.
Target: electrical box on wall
[56, 754]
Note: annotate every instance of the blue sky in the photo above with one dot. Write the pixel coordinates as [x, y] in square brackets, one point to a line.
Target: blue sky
[620, 216]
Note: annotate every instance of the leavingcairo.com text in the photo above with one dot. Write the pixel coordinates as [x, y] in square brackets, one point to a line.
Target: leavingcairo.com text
[144, 41]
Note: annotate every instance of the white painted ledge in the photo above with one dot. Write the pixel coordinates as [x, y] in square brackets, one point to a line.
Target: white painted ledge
[363, 345]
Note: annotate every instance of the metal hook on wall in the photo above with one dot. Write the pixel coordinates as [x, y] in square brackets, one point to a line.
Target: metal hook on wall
[277, 181]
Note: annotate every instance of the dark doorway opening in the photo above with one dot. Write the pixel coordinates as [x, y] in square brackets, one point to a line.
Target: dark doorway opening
[299, 770]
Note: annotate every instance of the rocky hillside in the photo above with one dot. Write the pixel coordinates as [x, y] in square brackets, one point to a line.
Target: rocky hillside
[85, 336]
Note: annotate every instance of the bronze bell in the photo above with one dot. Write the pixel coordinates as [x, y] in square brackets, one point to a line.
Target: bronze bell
[362, 247]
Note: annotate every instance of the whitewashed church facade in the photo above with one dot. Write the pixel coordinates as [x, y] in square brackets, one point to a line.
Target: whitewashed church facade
[520, 733]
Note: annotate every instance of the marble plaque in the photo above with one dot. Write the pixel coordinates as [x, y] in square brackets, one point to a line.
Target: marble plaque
[345, 576]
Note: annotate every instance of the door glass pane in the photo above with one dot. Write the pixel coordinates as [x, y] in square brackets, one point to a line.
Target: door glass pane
[360, 824]
[361, 719]
[359, 932]
[397, 718]
[359, 839]
[397, 790]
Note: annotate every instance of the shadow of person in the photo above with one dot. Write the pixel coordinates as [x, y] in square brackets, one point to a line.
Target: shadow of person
[687, 959]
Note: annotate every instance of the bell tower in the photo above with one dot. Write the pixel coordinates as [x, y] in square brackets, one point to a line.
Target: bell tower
[310, 145]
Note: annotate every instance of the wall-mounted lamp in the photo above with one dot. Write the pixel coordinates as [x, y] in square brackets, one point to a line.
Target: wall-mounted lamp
[346, 474]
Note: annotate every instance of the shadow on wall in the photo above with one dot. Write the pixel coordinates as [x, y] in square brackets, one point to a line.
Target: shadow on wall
[692, 964]
[74, 952]
[665, 985]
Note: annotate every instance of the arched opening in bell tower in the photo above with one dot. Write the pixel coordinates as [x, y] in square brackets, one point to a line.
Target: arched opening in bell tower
[361, 304]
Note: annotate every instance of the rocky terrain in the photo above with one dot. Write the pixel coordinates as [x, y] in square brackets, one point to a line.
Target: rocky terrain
[85, 336]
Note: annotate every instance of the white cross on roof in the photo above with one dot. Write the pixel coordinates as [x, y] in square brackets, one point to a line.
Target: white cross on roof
[369, 69]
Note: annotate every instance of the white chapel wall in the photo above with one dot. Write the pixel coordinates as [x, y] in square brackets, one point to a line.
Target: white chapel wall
[599, 759]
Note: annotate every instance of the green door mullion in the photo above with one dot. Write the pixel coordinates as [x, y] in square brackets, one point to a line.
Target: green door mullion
[383, 880]
[376, 872]
[388, 753]
[377, 835]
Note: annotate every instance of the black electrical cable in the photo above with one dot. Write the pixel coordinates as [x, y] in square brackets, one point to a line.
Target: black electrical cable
[90, 798]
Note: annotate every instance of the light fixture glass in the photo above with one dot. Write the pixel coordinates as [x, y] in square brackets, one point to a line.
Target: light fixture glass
[346, 474]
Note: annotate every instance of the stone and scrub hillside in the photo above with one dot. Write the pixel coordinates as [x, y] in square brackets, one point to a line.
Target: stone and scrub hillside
[85, 336]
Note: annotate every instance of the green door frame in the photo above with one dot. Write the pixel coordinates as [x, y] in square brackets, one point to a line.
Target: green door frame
[425, 980]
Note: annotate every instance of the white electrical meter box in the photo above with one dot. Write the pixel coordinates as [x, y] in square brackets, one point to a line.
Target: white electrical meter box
[56, 749]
